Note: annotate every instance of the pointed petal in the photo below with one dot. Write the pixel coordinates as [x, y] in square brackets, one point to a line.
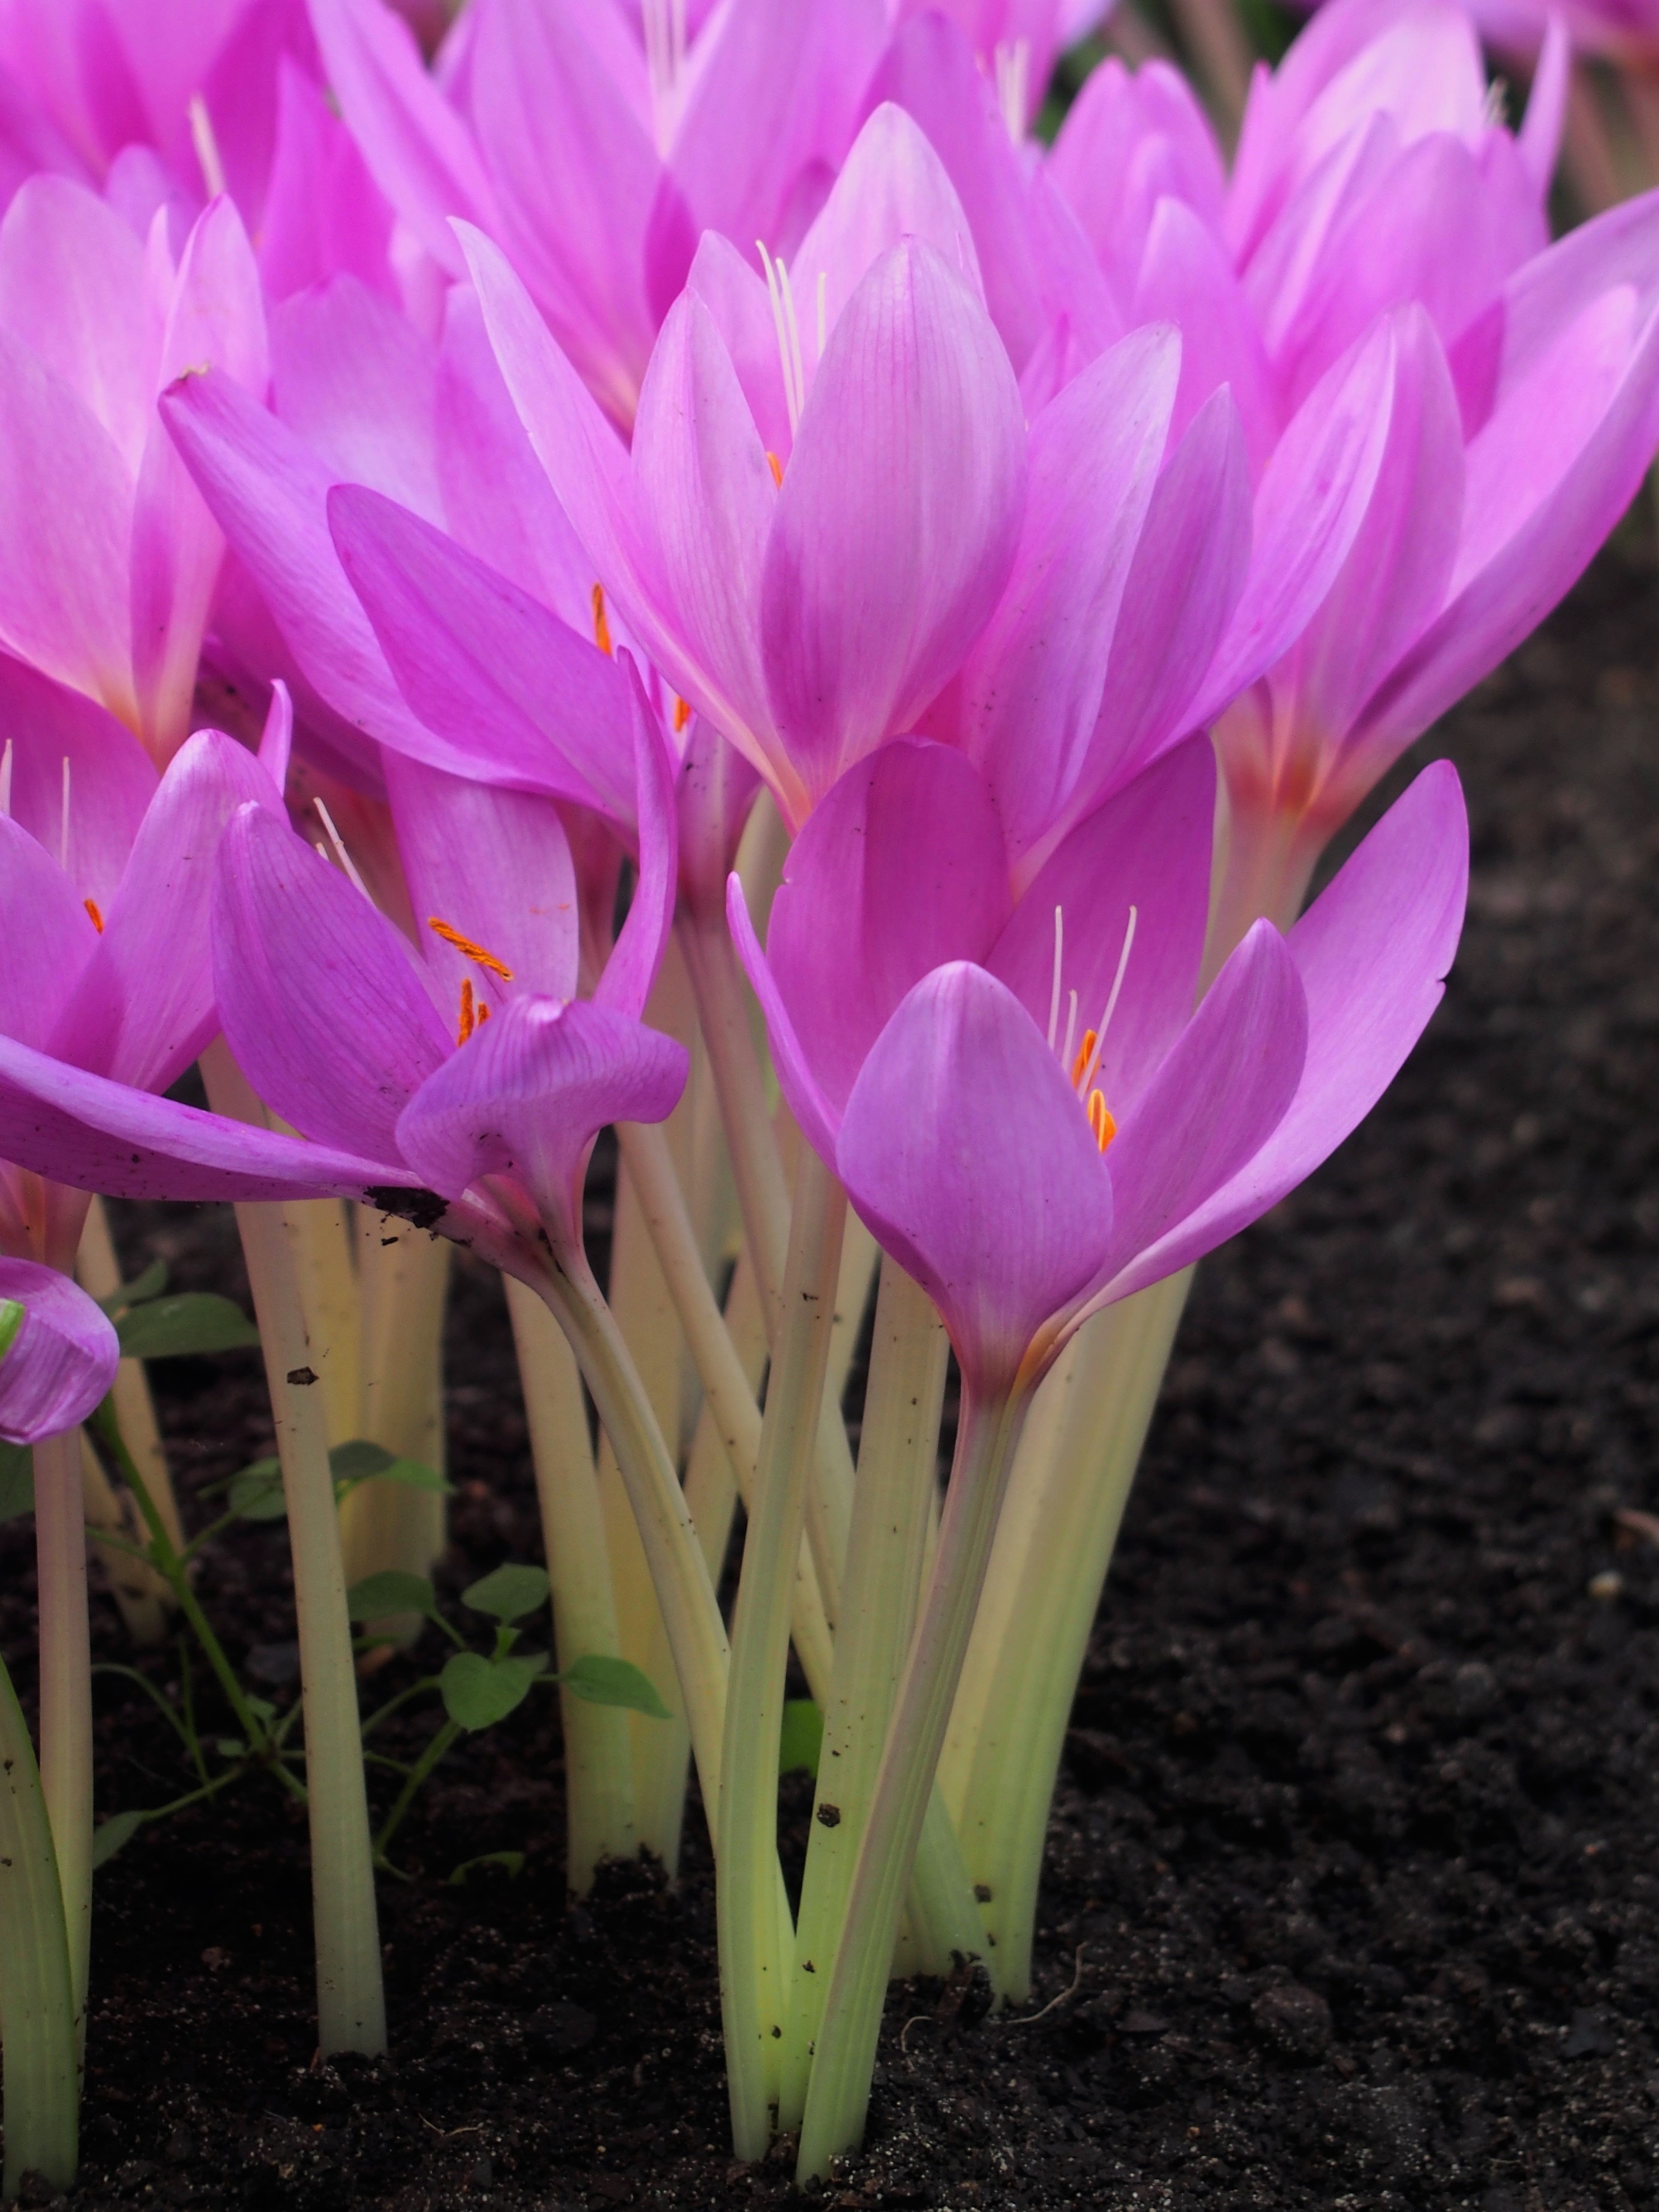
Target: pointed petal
[63, 1359]
[1373, 952]
[1214, 1100]
[483, 666]
[324, 215]
[529, 1093]
[1308, 514]
[93, 1135]
[702, 478]
[901, 869]
[577, 175]
[319, 993]
[734, 292]
[1186, 279]
[142, 1007]
[276, 738]
[1031, 686]
[110, 778]
[966, 1153]
[898, 517]
[1150, 848]
[418, 149]
[269, 496]
[820, 1120]
[1539, 136]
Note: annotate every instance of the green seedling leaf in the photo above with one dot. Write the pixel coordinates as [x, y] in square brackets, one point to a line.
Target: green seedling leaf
[257, 1492]
[802, 1739]
[11, 1320]
[604, 1681]
[231, 1746]
[509, 1593]
[149, 1284]
[362, 1461]
[16, 1480]
[512, 1861]
[108, 1836]
[195, 1322]
[261, 1708]
[392, 1591]
[479, 1692]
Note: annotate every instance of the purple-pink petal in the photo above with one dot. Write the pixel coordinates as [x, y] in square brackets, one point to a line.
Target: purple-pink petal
[63, 1359]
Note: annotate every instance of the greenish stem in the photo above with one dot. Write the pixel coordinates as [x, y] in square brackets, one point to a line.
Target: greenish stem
[423, 1766]
[598, 1758]
[728, 1389]
[909, 1353]
[754, 1954]
[1053, 1550]
[350, 1995]
[838, 2094]
[679, 1572]
[39, 2015]
[60, 1540]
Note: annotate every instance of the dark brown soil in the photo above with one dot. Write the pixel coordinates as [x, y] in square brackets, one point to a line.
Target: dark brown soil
[1353, 1880]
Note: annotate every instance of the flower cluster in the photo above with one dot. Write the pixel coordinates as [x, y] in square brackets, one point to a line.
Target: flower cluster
[958, 623]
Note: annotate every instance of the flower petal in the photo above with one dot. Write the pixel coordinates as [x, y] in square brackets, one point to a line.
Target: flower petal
[967, 1154]
[484, 666]
[54, 733]
[819, 1119]
[1031, 687]
[1372, 952]
[896, 523]
[629, 975]
[901, 869]
[529, 1094]
[63, 1359]
[319, 993]
[1150, 848]
[358, 383]
[47, 933]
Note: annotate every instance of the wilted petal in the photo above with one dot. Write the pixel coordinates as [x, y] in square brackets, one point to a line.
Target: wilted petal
[529, 1094]
[62, 1358]
[969, 1155]
[898, 517]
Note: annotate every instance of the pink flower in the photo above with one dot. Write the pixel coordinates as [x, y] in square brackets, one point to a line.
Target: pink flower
[1020, 1096]
[59, 1352]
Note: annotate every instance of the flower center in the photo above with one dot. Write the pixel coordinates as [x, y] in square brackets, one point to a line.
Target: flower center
[1087, 1060]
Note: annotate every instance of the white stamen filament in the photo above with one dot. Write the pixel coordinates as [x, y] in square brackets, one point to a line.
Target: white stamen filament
[340, 852]
[5, 780]
[207, 146]
[1013, 81]
[782, 295]
[1071, 1032]
[1053, 995]
[63, 855]
[1111, 1005]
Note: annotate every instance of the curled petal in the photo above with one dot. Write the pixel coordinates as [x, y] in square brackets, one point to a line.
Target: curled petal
[62, 1359]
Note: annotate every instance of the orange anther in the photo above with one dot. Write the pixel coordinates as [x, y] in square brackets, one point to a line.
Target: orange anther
[777, 467]
[601, 627]
[451, 935]
[1100, 1120]
[465, 1025]
[483, 1011]
[682, 715]
[91, 906]
[1085, 1052]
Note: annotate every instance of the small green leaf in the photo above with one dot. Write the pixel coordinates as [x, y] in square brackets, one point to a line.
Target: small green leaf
[16, 1480]
[231, 1746]
[802, 1739]
[362, 1461]
[149, 1284]
[479, 1692]
[512, 1861]
[11, 1320]
[257, 1492]
[604, 1681]
[108, 1836]
[377, 1596]
[261, 1708]
[195, 1322]
[508, 1593]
